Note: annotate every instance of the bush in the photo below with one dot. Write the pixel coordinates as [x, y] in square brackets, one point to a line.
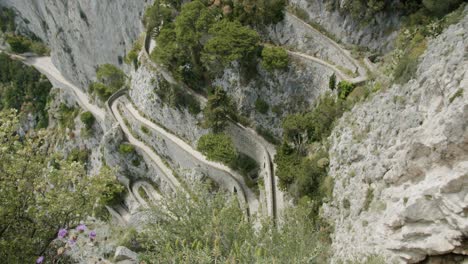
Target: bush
[132, 56]
[20, 44]
[440, 8]
[126, 149]
[177, 97]
[332, 82]
[7, 20]
[217, 147]
[24, 89]
[88, 119]
[244, 164]
[145, 130]
[274, 58]
[261, 106]
[78, 155]
[344, 89]
[111, 76]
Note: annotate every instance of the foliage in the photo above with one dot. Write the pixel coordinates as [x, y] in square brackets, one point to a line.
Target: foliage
[230, 42]
[267, 135]
[177, 97]
[7, 20]
[109, 80]
[157, 15]
[132, 56]
[145, 129]
[274, 58]
[126, 149]
[205, 36]
[217, 231]
[344, 89]
[218, 108]
[42, 193]
[244, 164]
[66, 116]
[259, 12]
[217, 147]
[302, 164]
[111, 76]
[458, 93]
[332, 82]
[21, 44]
[261, 106]
[23, 88]
[440, 8]
[78, 155]
[88, 119]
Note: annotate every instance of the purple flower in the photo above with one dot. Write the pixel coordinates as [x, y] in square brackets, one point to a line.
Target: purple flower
[40, 260]
[72, 241]
[92, 235]
[62, 233]
[81, 228]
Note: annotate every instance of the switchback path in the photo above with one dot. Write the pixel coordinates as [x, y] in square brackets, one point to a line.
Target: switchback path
[237, 180]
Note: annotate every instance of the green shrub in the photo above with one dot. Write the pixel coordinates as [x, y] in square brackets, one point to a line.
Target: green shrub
[88, 119]
[274, 58]
[67, 115]
[261, 106]
[78, 155]
[111, 76]
[24, 89]
[177, 97]
[21, 44]
[440, 8]
[7, 20]
[126, 149]
[344, 89]
[132, 55]
[244, 164]
[458, 93]
[144, 129]
[332, 82]
[267, 135]
[217, 147]
[369, 198]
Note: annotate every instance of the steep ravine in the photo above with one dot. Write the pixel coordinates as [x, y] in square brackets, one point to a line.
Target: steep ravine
[400, 163]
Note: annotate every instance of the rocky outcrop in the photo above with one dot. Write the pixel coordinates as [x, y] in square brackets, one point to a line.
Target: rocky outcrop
[82, 34]
[400, 163]
[376, 35]
[284, 91]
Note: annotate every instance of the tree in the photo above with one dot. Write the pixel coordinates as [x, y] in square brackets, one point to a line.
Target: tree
[230, 42]
[218, 147]
[156, 16]
[259, 12]
[218, 109]
[274, 58]
[42, 193]
[332, 82]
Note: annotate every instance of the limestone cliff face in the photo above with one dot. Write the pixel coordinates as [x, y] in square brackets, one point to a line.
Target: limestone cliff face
[82, 34]
[377, 35]
[400, 162]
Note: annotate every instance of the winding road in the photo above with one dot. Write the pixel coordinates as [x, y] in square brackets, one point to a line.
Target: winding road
[275, 197]
[246, 196]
